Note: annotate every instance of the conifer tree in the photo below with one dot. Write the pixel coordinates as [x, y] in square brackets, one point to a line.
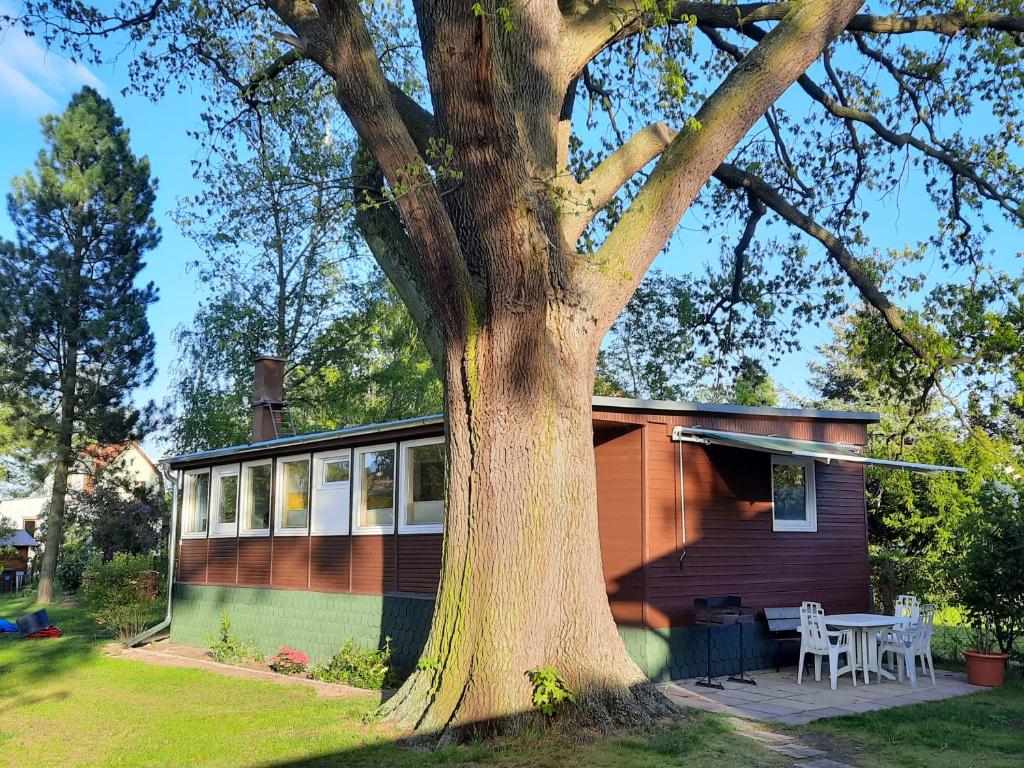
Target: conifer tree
[73, 321]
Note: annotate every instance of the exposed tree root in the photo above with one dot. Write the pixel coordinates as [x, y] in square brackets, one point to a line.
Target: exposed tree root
[602, 711]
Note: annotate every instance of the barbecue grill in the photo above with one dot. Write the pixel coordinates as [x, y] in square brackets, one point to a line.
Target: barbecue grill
[723, 610]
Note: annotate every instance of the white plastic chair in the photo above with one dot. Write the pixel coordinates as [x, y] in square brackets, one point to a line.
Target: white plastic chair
[908, 608]
[807, 608]
[912, 643]
[909, 644]
[818, 640]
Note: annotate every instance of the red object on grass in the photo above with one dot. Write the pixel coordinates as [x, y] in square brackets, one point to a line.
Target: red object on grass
[50, 631]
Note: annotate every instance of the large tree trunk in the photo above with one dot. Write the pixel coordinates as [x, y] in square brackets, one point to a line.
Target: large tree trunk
[54, 524]
[522, 583]
[487, 261]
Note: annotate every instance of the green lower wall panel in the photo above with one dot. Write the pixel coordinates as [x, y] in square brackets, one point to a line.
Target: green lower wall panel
[318, 623]
[681, 652]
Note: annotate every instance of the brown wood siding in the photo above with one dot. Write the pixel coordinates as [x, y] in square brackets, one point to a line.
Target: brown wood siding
[290, 562]
[419, 563]
[223, 561]
[329, 563]
[619, 509]
[16, 562]
[732, 548]
[373, 564]
[254, 561]
[192, 555]
[849, 432]
[731, 545]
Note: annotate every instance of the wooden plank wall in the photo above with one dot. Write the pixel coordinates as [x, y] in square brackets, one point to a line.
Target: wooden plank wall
[618, 455]
[731, 548]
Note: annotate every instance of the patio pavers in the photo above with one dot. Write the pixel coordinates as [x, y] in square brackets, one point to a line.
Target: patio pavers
[777, 697]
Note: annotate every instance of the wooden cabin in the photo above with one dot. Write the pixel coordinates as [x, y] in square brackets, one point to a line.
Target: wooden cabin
[310, 540]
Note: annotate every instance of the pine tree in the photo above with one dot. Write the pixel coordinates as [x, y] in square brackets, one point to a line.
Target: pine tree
[73, 322]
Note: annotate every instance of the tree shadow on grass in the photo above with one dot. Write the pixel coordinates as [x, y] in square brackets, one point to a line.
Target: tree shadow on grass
[699, 740]
[687, 737]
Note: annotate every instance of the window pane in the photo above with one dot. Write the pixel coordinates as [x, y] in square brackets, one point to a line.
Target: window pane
[790, 497]
[200, 502]
[377, 494]
[296, 494]
[227, 503]
[426, 478]
[336, 471]
[258, 513]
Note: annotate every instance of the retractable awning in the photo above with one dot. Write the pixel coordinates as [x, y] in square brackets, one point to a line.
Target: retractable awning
[785, 446]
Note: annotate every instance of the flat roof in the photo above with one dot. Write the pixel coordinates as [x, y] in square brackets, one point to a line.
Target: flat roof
[599, 402]
[672, 406]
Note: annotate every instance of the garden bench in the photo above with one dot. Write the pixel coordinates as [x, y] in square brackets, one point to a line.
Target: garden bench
[784, 627]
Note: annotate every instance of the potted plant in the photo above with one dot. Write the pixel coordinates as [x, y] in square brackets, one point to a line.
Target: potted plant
[985, 665]
[989, 580]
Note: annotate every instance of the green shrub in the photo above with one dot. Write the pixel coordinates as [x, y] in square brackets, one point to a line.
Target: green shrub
[550, 691]
[895, 573]
[359, 667]
[226, 648]
[124, 593]
[75, 557]
[988, 573]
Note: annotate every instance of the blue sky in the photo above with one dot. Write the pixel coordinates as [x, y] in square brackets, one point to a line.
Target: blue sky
[34, 82]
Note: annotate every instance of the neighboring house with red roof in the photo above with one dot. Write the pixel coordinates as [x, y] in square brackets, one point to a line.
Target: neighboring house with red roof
[25, 512]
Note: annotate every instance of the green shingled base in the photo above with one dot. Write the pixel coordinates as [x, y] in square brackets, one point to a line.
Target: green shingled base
[318, 623]
[681, 652]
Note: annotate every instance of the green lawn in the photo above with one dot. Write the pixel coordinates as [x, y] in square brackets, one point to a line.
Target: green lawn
[66, 703]
[985, 729]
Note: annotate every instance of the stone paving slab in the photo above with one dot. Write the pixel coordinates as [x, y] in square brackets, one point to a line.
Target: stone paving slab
[777, 697]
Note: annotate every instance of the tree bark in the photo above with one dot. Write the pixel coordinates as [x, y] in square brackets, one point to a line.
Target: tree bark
[521, 583]
[54, 524]
[515, 317]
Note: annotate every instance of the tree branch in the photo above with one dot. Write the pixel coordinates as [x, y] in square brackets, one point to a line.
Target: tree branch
[597, 190]
[1009, 203]
[369, 101]
[693, 155]
[607, 22]
[738, 179]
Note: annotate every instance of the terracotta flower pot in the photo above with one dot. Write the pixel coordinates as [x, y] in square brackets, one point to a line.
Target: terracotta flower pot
[985, 668]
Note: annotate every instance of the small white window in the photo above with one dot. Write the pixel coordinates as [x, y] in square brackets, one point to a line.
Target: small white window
[793, 503]
[374, 489]
[292, 496]
[421, 490]
[224, 495]
[195, 504]
[254, 507]
[331, 473]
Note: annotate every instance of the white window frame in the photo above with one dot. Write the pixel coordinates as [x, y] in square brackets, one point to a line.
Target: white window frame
[404, 495]
[219, 530]
[810, 524]
[188, 507]
[243, 498]
[356, 475]
[321, 486]
[278, 512]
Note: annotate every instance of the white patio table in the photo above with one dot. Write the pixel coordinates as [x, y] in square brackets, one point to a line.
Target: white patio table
[865, 626]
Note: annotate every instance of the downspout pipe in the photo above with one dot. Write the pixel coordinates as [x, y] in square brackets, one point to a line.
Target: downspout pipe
[171, 551]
